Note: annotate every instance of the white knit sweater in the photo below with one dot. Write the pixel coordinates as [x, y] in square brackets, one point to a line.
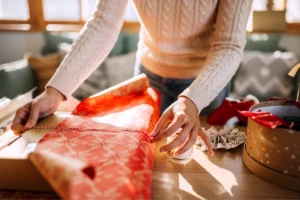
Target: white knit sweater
[178, 39]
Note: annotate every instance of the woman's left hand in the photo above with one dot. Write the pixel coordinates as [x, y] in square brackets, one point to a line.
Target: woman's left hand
[184, 117]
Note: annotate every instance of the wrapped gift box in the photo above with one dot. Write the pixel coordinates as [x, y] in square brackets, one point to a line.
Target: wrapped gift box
[101, 150]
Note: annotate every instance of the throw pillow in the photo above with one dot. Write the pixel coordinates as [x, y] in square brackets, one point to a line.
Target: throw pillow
[120, 68]
[95, 83]
[265, 75]
[44, 67]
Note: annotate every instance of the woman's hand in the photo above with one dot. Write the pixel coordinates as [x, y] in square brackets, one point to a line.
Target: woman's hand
[45, 104]
[184, 118]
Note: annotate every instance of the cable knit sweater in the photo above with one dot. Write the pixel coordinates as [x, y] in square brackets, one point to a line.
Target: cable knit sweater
[178, 39]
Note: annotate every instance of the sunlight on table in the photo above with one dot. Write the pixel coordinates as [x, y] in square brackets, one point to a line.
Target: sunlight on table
[226, 178]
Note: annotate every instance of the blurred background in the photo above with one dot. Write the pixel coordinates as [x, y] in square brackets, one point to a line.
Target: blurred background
[35, 35]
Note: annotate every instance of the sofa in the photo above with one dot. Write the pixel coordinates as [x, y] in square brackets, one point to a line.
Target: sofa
[18, 77]
[263, 57]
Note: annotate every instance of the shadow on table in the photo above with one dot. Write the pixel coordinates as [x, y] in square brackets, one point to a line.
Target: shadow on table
[11, 194]
[223, 176]
[192, 181]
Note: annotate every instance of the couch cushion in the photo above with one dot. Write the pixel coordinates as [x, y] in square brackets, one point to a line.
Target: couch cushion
[263, 42]
[130, 41]
[52, 40]
[95, 83]
[16, 78]
[120, 68]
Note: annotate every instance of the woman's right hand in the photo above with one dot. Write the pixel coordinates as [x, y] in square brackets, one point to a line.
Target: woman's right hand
[43, 105]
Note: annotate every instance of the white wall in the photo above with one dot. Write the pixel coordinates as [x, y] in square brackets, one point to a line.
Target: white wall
[13, 45]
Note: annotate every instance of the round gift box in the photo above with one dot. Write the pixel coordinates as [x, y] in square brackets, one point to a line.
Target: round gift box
[274, 154]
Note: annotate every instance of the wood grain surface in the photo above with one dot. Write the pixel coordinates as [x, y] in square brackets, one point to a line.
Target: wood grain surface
[223, 176]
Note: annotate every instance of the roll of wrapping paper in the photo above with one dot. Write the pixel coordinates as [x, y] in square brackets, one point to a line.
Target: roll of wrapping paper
[125, 90]
[118, 164]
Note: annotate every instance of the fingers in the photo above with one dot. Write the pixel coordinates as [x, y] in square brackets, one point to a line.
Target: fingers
[190, 143]
[18, 129]
[21, 114]
[20, 119]
[177, 122]
[33, 117]
[207, 142]
[161, 122]
[180, 140]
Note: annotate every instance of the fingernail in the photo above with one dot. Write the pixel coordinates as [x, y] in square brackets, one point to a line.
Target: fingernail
[152, 133]
[162, 150]
[28, 125]
[177, 153]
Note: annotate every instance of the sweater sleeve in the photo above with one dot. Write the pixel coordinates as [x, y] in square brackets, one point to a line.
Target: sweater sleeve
[92, 46]
[225, 54]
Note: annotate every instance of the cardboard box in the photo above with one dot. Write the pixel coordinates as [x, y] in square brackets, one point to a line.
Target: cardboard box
[17, 171]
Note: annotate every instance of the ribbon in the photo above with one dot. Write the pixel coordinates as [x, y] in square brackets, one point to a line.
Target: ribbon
[266, 119]
[114, 130]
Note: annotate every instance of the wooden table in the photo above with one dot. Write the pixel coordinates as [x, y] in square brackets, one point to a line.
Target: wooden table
[223, 176]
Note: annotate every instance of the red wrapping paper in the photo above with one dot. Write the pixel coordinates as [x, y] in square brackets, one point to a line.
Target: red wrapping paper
[266, 119]
[103, 164]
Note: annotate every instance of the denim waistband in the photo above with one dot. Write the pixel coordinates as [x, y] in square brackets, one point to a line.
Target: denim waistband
[163, 80]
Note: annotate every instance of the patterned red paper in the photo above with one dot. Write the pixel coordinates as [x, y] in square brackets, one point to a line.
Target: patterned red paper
[103, 164]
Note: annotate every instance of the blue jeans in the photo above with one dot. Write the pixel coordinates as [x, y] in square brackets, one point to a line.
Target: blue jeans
[171, 88]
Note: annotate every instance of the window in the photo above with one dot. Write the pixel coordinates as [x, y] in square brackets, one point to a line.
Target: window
[14, 9]
[70, 15]
[293, 11]
[66, 10]
[53, 15]
[89, 6]
[291, 8]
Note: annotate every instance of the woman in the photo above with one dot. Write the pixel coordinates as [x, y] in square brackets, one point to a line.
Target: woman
[189, 49]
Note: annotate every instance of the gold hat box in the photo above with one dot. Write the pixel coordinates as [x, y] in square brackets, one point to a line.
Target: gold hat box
[274, 154]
